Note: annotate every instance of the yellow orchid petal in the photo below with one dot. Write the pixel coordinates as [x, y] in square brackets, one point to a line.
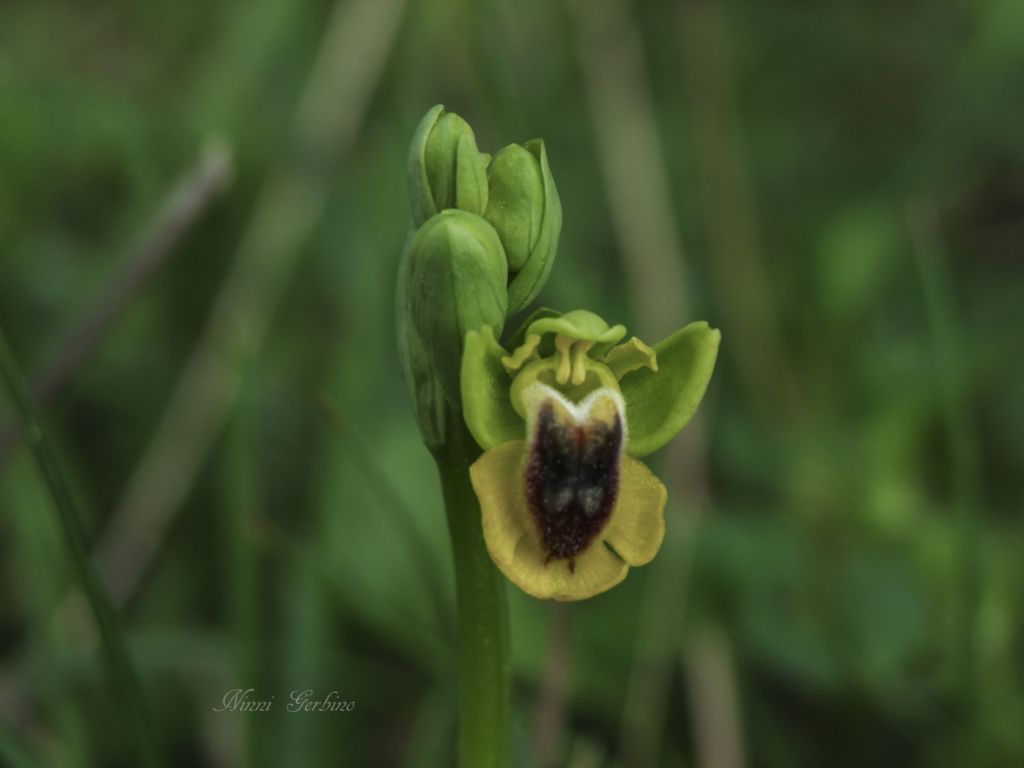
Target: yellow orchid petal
[497, 480]
[594, 570]
[637, 525]
[515, 545]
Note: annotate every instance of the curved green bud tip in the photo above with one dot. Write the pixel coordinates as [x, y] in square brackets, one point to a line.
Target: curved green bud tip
[660, 402]
[452, 281]
[580, 325]
[525, 210]
[445, 168]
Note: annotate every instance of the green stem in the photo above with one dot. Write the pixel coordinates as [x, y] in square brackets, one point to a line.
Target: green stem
[484, 687]
[125, 678]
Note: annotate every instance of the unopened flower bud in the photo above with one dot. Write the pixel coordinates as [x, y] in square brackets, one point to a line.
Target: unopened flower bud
[453, 280]
[445, 168]
[524, 209]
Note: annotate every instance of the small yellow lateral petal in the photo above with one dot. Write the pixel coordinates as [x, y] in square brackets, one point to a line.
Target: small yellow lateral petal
[637, 525]
[526, 351]
[629, 356]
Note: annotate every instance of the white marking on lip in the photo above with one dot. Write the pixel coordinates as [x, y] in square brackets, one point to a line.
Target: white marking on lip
[538, 393]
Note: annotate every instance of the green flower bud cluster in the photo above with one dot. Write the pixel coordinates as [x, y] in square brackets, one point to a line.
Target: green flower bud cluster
[481, 245]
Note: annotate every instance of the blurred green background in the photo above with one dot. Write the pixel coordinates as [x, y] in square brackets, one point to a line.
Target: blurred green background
[201, 211]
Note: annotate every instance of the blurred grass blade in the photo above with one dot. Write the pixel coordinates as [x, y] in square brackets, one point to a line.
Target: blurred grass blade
[353, 52]
[951, 368]
[633, 164]
[129, 694]
[242, 502]
[422, 645]
[637, 184]
[432, 731]
[12, 752]
[747, 309]
[710, 677]
[405, 523]
[556, 682]
[182, 208]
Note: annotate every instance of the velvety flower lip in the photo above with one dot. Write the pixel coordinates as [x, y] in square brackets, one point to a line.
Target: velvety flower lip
[572, 467]
[557, 531]
[563, 415]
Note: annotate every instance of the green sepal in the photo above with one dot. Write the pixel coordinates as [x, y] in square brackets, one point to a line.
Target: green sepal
[444, 167]
[452, 280]
[659, 404]
[486, 407]
[527, 281]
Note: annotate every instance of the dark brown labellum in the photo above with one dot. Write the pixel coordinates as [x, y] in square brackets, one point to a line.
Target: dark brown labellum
[572, 479]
